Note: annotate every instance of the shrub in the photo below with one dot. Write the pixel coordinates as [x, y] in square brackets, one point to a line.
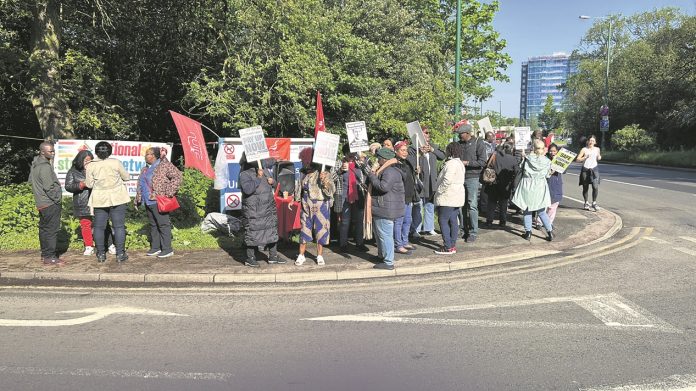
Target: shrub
[632, 139]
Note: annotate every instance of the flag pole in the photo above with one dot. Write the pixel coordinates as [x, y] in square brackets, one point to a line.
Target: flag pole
[211, 131]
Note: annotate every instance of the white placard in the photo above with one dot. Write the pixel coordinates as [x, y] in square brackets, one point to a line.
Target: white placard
[523, 136]
[562, 160]
[415, 132]
[326, 149]
[357, 136]
[254, 144]
[485, 126]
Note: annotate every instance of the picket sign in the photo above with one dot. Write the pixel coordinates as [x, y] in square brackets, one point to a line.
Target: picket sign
[254, 143]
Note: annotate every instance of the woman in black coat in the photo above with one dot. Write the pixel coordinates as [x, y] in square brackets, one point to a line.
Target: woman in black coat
[75, 183]
[506, 167]
[260, 216]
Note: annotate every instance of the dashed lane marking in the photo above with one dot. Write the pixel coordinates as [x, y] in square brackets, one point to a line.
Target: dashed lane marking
[680, 249]
[93, 372]
[688, 238]
[622, 183]
[672, 383]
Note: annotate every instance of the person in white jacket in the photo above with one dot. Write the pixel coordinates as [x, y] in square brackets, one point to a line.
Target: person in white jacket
[449, 197]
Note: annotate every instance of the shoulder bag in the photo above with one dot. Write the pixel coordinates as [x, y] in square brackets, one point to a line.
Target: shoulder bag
[488, 175]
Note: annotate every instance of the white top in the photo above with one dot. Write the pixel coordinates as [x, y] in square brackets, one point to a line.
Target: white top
[590, 157]
[450, 184]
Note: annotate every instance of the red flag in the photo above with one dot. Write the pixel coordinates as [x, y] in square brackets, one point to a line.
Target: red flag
[319, 123]
[195, 154]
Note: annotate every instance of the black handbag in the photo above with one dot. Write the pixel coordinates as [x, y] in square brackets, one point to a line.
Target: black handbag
[518, 176]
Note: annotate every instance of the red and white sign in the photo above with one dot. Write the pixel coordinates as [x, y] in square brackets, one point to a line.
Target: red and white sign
[279, 148]
[233, 201]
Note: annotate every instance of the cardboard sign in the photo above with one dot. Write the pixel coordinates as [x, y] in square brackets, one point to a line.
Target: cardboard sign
[254, 144]
[130, 153]
[357, 136]
[415, 132]
[326, 149]
[523, 137]
[485, 126]
[562, 160]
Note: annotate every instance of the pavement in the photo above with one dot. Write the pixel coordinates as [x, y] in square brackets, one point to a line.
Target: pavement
[573, 228]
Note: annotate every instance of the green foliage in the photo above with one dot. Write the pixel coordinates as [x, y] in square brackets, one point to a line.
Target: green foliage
[17, 209]
[632, 138]
[550, 118]
[676, 158]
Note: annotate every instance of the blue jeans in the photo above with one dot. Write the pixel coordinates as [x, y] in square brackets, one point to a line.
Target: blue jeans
[416, 218]
[426, 222]
[117, 214]
[449, 225]
[542, 215]
[351, 213]
[401, 227]
[470, 209]
[385, 238]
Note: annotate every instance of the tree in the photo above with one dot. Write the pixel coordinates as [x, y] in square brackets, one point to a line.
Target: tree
[550, 117]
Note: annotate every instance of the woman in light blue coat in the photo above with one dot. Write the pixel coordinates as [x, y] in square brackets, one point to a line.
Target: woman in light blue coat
[532, 194]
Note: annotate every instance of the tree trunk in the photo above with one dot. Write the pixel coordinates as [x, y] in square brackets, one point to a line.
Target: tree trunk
[47, 95]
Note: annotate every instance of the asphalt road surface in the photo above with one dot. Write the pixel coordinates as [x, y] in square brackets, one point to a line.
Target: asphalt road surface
[618, 316]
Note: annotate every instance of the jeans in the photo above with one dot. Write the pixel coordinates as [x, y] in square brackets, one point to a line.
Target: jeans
[416, 217]
[402, 225]
[470, 209]
[49, 224]
[117, 214]
[449, 225]
[351, 213]
[160, 229]
[542, 215]
[385, 238]
[426, 222]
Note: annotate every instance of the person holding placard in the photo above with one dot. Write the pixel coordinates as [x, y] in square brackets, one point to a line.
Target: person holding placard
[555, 182]
[314, 190]
[260, 217]
[532, 193]
[589, 174]
[429, 155]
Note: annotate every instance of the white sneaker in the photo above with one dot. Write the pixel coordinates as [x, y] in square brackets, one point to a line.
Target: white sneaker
[320, 260]
[300, 260]
[112, 250]
[89, 250]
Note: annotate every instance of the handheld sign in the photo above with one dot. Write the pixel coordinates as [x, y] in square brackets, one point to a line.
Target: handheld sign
[254, 143]
[357, 136]
[523, 136]
[562, 160]
[485, 126]
[326, 149]
[416, 133]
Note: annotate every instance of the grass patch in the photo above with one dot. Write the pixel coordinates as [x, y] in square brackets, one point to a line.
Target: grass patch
[685, 159]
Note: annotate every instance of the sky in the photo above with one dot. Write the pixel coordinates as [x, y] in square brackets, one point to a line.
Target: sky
[543, 27]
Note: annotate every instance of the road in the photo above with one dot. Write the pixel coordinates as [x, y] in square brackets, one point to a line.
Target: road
[616, 316]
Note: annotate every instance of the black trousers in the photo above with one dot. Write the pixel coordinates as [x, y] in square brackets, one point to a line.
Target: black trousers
[160, 229]
[272, 251]
[49, 224]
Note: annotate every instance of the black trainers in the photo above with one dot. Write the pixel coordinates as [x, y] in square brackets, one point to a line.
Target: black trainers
[362, 247]
[122, 258]
[276, 260]
[527, 235]
[550, 235]
[471, 239]
[101, 258]
[251, 263]
[383, 266]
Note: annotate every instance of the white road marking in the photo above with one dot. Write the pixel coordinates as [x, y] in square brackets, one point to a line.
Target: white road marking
[688, 238]
[85, 372]
[96, 313]
[680, 249]
[623, 183]
[682, 183]
[672, 383]
[574, 199]
[656, 240]
[614, 311]
[685, 250]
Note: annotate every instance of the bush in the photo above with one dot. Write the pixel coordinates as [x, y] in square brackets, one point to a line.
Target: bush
[632, 139]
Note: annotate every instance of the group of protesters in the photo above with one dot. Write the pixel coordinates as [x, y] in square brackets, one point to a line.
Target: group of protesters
[390, 194]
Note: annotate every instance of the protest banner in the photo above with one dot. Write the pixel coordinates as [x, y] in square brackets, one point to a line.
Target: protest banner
[523, 136]
[130, 153]
[484, 125]
[254, 144]
[193, 144]
[415, 132]
[326, 149]
[562, 160]
[357, 136]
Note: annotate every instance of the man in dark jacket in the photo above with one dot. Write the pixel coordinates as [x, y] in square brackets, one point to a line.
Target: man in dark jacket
[428, 157]
[474, 159]
[387, 204]
[506, 167]
[350, 203]
[47, 194]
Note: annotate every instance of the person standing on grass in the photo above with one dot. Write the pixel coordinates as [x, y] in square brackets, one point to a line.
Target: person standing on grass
[47, 195]
[589, 173]
[109, 199]
[158, 177]
[449, 198]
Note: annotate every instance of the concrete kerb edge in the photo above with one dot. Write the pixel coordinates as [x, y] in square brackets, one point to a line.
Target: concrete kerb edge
[327, 275]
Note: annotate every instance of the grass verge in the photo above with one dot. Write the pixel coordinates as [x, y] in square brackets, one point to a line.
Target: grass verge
[686, 159]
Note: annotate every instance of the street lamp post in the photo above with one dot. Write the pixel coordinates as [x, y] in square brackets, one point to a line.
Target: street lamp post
[457, 62]
[606, 76]
[500, 111]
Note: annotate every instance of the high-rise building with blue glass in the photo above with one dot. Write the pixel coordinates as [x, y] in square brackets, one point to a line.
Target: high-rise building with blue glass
[541, 77]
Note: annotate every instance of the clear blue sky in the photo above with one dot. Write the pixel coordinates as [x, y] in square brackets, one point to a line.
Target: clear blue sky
[543, 27]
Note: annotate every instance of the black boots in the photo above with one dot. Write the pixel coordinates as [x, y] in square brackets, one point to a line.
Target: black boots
[527, 235]
[550, 236]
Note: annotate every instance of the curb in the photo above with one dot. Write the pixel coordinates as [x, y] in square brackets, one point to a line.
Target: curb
[295, 277]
